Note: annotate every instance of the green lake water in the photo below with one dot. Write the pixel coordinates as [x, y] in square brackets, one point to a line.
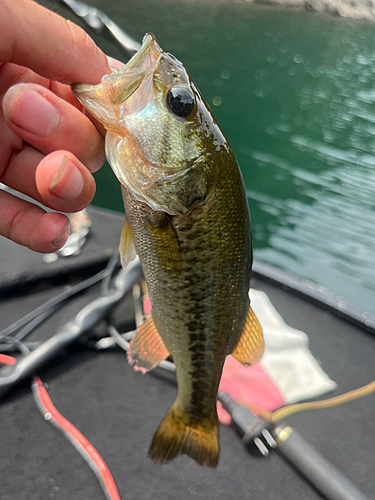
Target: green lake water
[295, 94]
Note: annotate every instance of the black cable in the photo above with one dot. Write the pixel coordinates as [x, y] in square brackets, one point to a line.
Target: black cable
[12, 347]
[35, 317]
[111, 266]
[22, 348]
[35, 322]
[71, 331]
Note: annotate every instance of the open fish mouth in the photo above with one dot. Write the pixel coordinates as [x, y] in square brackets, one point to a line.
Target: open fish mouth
[121, 84]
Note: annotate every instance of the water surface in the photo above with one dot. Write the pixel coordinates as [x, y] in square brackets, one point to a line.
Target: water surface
[295, 94]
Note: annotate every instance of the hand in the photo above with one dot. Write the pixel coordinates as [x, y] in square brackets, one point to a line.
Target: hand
[48, 147]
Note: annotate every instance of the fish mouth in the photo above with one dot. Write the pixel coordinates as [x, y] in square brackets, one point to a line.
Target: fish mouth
[148, 54]
[120, 84]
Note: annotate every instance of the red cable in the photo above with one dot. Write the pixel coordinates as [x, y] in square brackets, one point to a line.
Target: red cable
[7, 360]
[78, 438]
[72, 433]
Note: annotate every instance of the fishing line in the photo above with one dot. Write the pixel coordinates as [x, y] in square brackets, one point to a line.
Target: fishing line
[35, 322]
[12, 347]
[41, 397]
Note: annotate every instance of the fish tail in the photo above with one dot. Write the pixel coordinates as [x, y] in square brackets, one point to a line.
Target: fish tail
[181, 434]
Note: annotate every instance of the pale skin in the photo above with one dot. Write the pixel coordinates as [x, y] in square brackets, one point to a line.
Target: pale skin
[48, 147]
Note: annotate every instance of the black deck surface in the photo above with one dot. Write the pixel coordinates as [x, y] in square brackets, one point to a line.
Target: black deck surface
[118, 409]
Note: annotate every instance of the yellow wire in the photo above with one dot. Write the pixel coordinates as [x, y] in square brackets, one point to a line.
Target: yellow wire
[280, 414]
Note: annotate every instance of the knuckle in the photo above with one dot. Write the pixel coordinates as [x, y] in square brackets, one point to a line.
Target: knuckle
[13, 223]
[17, 227]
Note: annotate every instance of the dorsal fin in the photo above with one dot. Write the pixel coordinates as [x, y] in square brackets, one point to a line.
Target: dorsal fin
[147, 349]
[250, 346]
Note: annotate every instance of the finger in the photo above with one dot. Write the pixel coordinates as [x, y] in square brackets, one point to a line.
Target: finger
[59, 180]
[31, 226]
[49, 123]
[64, 183]
[64, 52]
[113, 63]
[11, 74]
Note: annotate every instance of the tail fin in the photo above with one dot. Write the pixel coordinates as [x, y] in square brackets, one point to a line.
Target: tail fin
[180, 434]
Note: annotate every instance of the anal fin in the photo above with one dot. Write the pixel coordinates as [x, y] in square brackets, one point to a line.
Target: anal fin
[147, 349]
[250, 346]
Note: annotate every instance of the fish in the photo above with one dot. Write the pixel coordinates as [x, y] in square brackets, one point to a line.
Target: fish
[188, 219]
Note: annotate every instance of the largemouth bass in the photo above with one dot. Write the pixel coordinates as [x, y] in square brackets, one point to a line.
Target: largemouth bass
[188, 219]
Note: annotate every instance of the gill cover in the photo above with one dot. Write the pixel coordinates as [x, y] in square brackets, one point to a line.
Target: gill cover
[154, 141]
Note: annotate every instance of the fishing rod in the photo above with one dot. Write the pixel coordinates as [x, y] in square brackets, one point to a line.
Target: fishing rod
[101, 24]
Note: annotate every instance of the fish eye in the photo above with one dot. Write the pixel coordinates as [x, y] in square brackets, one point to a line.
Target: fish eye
[180, 101]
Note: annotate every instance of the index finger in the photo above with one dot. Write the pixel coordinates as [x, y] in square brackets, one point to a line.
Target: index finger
[34, 37]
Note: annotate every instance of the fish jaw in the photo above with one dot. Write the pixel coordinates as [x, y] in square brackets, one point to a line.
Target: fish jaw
[93, 99]
[112, 98]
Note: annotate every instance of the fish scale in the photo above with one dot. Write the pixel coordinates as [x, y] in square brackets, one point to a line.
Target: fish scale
[206, 307]
[188, 220]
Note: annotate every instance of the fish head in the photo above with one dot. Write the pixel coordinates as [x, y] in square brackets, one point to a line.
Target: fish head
[158, 128]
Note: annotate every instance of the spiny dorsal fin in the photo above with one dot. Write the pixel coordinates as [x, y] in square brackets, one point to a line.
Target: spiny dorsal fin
[250, 346]
[126, 248]
[147, 349]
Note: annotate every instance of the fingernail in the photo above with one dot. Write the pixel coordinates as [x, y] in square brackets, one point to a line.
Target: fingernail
[29, 110]
[62, 237]
[68, 182]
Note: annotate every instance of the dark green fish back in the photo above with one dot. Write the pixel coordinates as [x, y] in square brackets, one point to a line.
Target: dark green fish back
[197, 267]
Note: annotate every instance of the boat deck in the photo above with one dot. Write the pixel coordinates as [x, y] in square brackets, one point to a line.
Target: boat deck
[118, 409]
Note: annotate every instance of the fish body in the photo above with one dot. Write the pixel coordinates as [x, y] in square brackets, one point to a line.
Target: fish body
[187, 218]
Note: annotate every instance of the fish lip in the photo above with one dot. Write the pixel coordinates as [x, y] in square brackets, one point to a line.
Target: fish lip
[148, 48]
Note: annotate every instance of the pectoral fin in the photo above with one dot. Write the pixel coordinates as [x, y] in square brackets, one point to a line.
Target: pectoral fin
[250, 346]
[177, 193]
[147, 349]
[126, 248]
[166, 245]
